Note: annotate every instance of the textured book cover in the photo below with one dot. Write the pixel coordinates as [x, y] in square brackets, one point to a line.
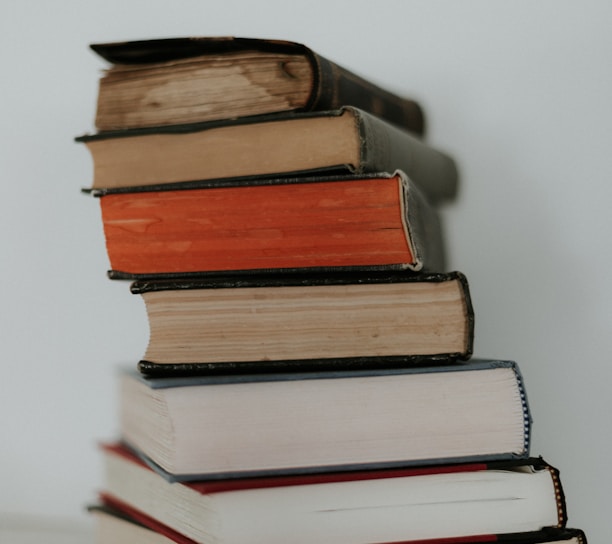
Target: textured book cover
[328, 85]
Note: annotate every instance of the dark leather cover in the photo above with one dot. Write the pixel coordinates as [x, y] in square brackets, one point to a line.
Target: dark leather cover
[547, 534]
[385, 145]
[334, 86]
[330, 277]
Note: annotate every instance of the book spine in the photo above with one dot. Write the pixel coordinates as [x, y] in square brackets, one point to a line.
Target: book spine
[332, 277]
[425, 227]
[386, 148]
[527, 419]
[154, 369]
[559, 496]
[469, 315]
[546, 534]
[336, 86]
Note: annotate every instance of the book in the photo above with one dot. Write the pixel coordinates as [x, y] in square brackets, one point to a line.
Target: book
[391, 505]
[299, 321]
[124, 525]
[183, 80]
[299, 422]
[370, 222]
[343, 141]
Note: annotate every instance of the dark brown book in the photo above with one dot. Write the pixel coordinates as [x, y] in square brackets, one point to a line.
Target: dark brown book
[369, 222]
[305, 321]
[186, 80]
[344, 141]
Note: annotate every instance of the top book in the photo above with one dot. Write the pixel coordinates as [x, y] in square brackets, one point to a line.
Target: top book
[185, 80]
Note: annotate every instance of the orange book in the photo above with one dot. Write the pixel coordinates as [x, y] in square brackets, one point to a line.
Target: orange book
[378, 221]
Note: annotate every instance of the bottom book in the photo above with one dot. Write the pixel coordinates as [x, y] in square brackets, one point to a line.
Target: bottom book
[390, 505]
[117, 525]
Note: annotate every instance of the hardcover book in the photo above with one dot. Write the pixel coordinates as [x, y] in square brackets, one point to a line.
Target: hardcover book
[370, 222]
[343, 141]
[124, 525]
[300, 321]
[184, 80]
[245, 425]
[392, 505]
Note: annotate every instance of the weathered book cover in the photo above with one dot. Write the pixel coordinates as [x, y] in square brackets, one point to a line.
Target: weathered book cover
[333, 86]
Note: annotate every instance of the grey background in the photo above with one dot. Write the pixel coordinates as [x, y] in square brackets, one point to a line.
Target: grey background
[518, 92]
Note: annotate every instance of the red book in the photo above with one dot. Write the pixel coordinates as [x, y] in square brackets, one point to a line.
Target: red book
[367, 222]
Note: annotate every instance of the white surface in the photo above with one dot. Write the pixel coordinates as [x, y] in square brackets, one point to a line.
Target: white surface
[24, 529]
[519, 92]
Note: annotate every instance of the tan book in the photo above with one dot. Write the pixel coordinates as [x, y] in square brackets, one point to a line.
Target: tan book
[345, 319]
[186, 80]
[344, 141]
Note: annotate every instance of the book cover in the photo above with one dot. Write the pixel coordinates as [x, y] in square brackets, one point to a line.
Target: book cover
[300, 80]
[343, 141]
[378, 221]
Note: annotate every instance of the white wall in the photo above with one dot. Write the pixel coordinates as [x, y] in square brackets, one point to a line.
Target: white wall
[519, 92]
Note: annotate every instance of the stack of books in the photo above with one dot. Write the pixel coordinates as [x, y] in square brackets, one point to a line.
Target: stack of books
[309, 373]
